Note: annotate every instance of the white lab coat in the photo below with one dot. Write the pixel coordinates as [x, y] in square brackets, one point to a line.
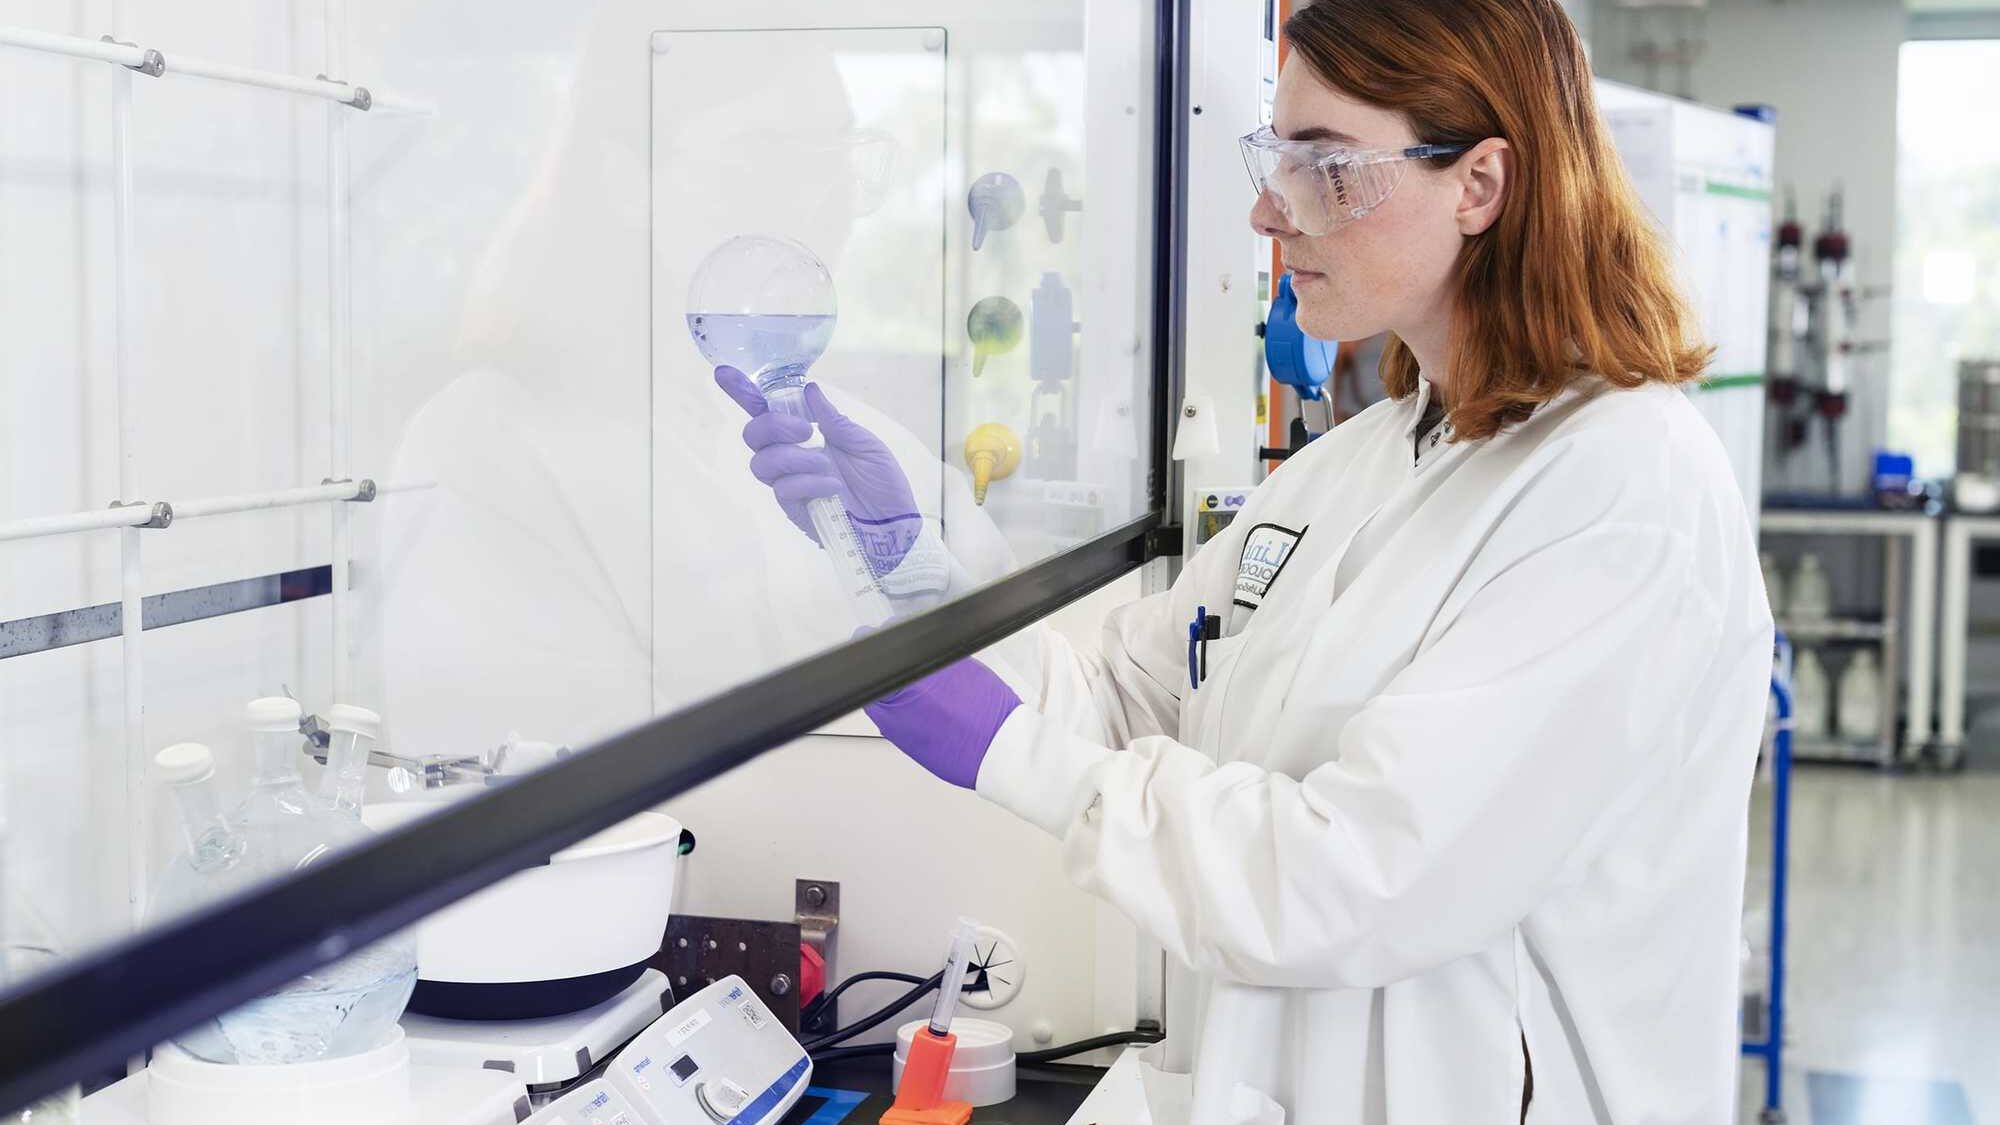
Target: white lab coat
[1474, 772]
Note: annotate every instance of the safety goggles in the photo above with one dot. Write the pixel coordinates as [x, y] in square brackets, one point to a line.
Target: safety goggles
[1319, 186]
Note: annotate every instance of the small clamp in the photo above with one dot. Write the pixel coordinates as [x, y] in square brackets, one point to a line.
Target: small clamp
[360, 99]
[162, 513]
[364, 489]
[152, 64]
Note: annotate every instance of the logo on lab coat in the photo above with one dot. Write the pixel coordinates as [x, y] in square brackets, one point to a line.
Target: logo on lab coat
[1265, 553]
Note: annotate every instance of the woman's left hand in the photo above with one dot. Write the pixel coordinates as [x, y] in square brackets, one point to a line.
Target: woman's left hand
[854, 466]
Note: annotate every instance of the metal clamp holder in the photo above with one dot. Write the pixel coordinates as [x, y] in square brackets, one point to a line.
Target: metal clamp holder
[816, 904]
[152, 65]
[364, 489]
[408, 774]
[163, 513]
[434, 771]
[361, 99]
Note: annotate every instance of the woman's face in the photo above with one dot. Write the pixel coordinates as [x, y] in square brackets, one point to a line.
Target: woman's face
[1387, 271]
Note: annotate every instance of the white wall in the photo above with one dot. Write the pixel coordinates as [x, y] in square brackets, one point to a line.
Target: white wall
[1830, 69]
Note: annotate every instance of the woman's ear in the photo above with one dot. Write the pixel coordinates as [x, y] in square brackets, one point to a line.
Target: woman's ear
[1484, 175]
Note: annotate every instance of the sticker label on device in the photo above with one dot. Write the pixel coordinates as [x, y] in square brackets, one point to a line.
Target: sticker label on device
[684, 1030]
[1265, 552]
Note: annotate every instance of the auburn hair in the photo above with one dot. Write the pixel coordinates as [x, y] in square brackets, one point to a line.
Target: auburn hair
[1573, 279]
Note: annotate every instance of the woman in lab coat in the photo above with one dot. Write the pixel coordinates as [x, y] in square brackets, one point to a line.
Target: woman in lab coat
[1446, 817]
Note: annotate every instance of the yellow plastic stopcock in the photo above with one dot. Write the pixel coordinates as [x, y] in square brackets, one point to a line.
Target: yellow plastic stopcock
[992, 452]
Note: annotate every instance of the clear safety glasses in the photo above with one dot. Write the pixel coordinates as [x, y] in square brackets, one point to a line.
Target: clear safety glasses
[1319, 186]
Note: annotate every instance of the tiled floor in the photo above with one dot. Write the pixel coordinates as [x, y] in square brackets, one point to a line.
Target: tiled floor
[1895, 943]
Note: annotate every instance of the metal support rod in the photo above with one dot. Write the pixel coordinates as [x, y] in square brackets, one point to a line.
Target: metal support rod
[1955, 608]
[330, 493]
[1923, 579]
[156, 63]
[40, 527]
[357, 97]
[1772, 1046]
[1896, 554]
[339, 279]
[138, 810]
[76, 47]
[155, 514]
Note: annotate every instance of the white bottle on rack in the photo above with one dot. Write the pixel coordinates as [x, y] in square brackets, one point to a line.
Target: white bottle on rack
[1774, 582]
[1811, 594]
[1811, 704]
[1860, 699]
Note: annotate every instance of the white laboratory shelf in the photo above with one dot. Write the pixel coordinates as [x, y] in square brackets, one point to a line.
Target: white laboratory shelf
[1836, 629]
[1963, 534]
[1844, 521]
[1837, 749]
[1911, 543]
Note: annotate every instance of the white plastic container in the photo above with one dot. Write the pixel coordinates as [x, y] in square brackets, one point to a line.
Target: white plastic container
[1860, 698]
[982, 1066]
[582, 924]
[1774, 582]
[1811, 593]
[1812, 703]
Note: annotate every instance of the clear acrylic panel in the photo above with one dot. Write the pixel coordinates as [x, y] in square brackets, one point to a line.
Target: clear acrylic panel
[477, 296]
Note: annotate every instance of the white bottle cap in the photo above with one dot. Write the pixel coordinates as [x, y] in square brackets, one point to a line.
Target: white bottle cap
[185, 762]
[273, 713]
[354, 720]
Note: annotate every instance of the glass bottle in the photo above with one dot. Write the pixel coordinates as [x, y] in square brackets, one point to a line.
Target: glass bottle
[337, 1009]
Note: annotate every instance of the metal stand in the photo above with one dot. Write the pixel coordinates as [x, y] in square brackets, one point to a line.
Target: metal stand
[1771, 1047]
[1962, 534]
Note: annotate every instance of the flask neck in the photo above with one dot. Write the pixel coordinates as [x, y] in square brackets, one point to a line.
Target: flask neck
[204, 829]
[277, 758]
[345, 783]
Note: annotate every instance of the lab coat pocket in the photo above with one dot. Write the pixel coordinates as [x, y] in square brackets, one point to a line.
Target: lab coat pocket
[1210, 664]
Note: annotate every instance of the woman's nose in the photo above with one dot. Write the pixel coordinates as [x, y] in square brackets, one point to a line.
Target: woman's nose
[1268, 219]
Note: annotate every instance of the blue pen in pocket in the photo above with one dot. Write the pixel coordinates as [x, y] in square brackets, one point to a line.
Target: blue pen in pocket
[1201, 630]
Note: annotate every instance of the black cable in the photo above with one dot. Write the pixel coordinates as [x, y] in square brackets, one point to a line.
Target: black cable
[820, 1002]
[1116, 1039]
[867, 1051]
[872, 1022]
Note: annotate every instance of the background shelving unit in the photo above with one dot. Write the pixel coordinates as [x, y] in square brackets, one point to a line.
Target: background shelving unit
[1906, 632]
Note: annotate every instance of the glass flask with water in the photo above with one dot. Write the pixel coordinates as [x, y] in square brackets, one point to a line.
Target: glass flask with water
[337, 1009]
[766, 307]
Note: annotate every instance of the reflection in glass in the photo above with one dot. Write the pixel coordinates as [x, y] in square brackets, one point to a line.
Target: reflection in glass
[766, 307]
[994, 327]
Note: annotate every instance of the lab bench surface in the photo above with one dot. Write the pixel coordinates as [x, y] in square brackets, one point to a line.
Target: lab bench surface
[857, 1092]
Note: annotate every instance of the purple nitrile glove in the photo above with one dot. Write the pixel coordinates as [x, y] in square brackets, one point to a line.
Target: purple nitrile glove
[854, 465]
[946, 721]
